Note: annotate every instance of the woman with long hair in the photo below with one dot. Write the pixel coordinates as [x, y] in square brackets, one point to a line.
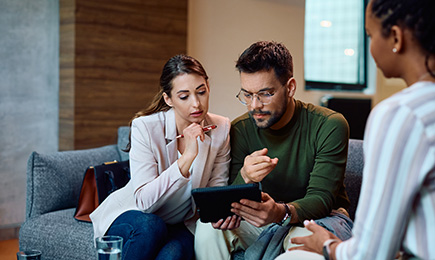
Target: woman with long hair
[396, 210]
[170, 154]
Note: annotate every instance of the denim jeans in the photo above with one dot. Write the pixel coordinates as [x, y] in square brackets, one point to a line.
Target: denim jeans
[146, 236]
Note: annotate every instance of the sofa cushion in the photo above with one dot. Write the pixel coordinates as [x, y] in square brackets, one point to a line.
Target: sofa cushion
[59, 236]
[54, 180]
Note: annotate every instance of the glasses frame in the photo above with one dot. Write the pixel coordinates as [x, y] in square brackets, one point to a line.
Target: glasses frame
[253, 95]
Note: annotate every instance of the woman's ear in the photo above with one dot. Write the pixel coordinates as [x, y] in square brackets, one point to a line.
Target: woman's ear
[167, 99]
[397, 37]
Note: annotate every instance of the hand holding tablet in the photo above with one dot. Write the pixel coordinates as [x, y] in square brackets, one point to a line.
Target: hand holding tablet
[214, 203]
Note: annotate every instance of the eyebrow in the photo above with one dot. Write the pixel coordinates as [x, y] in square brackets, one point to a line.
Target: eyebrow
[186, 91]
[261, 90]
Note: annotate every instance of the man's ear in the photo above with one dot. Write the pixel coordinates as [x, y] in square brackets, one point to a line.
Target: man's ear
[291, 85]
[167, 99]
[397, 37]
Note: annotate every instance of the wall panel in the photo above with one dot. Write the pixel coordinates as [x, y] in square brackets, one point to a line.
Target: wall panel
[119, 50]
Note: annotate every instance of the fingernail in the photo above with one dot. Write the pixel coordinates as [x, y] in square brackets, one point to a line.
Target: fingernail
[312, 221]
[306, 222]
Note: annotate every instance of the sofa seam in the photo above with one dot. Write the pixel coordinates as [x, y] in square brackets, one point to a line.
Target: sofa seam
[32, 167]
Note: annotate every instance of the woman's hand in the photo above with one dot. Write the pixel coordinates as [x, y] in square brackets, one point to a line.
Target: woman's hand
[190, 151]
[314, 242]
[191, 133]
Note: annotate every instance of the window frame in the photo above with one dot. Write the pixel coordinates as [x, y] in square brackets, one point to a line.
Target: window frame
[339, 86]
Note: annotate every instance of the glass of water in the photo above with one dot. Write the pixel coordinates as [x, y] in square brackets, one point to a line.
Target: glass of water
[29, 255]
[109, 247]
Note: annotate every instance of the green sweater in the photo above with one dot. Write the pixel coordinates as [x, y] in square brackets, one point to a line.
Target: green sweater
[312, 153]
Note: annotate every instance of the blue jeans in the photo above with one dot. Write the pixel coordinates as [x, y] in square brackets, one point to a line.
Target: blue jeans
[146, 236]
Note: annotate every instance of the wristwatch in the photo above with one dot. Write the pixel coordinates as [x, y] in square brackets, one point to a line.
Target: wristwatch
[326, 249]
[288, 215]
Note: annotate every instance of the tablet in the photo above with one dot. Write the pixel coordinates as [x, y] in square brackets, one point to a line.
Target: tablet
[214, 203]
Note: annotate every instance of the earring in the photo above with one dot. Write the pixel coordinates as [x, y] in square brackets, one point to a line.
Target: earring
[394, 50]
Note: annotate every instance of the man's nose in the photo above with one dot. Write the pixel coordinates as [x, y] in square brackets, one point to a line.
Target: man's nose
[256, 103]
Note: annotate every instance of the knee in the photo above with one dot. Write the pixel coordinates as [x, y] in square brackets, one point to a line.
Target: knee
[144, 224]
[150, 224]
[205, 233]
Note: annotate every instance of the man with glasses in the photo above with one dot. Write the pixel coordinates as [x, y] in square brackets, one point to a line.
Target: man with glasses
[298, 152]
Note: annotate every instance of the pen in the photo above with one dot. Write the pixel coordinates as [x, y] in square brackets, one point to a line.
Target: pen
[205, 129]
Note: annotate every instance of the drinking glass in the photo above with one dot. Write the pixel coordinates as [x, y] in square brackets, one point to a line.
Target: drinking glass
[29, 255]
[109, 247]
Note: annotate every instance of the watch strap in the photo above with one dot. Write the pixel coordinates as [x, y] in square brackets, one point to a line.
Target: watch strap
[326, 248]
[287, 217]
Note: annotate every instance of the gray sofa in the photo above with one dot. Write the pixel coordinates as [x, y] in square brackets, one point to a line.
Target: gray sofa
[53, 186]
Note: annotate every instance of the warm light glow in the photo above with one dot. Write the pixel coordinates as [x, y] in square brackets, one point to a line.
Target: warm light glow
[349, 52]
[326, 23]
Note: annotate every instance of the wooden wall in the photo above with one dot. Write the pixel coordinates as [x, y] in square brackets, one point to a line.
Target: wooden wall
[111, 57]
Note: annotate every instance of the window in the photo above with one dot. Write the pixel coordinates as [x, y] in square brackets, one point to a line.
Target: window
[335, 45]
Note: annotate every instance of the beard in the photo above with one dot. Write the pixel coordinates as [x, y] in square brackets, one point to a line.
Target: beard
[274, 116]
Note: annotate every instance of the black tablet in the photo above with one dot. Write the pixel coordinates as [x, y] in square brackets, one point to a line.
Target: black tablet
[214, 203]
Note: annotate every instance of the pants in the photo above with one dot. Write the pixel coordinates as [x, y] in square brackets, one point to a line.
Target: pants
[213, 243]
[146, 236]
[299, 255]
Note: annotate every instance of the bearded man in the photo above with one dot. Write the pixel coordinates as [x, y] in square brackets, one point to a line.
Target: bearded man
[296, 150]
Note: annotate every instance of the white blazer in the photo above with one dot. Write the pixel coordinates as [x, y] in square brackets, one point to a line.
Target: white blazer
[153, 166]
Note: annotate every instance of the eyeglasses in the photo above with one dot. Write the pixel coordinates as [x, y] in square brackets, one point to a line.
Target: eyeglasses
[246, 98]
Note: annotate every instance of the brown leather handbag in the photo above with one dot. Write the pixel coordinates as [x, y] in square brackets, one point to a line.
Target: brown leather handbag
[98, 182]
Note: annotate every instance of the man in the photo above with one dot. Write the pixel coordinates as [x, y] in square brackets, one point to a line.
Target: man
[297, 151]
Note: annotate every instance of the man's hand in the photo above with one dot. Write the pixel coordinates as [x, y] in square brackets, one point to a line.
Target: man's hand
[257, 165]
[232, 222]
[314, 242]
[259, 213]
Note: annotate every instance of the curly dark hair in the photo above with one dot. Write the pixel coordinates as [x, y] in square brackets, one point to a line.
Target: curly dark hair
[416, 15]
[267, 55]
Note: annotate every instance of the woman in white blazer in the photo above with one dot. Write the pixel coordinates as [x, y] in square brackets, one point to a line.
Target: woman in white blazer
[155, 212]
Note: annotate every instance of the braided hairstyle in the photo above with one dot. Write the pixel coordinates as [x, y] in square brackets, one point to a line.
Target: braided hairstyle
[175, 66]
[416, 15]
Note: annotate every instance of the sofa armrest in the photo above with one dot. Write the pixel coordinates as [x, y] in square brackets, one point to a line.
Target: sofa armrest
[54, 180]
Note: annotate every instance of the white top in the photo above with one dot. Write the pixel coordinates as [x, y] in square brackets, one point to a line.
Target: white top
[397, 204]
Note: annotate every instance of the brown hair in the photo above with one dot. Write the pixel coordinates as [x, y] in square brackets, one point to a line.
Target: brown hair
[175, 66]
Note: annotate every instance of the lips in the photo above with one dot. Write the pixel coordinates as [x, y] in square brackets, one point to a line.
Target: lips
[259, 114]
[196, 113]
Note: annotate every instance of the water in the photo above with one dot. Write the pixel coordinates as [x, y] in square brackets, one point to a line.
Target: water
[109, 254]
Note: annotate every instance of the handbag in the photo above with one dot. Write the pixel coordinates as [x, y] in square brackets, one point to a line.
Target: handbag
[98, 182]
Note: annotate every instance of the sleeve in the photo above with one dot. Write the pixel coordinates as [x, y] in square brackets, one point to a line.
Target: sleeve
[327, 175]
[239, 150]
[219, 175]
[151, 186]
[394, 146]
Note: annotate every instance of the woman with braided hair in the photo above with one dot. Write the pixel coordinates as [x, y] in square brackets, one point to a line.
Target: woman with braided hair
[396, 210]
